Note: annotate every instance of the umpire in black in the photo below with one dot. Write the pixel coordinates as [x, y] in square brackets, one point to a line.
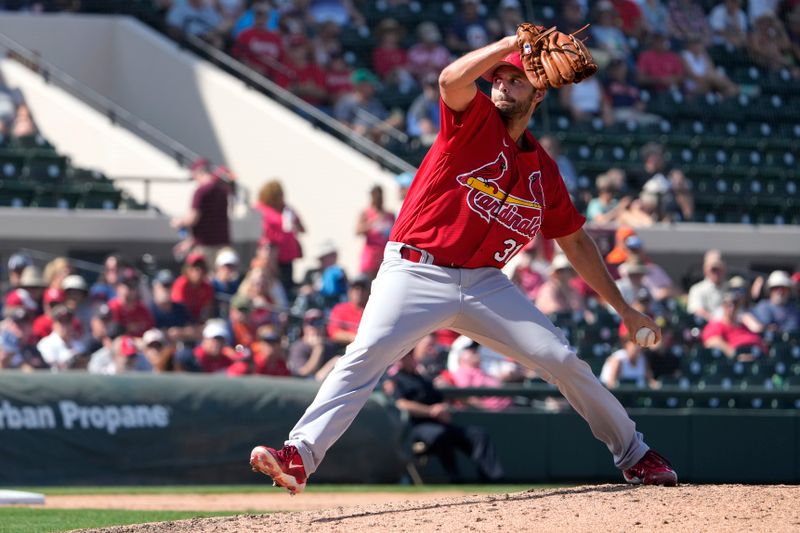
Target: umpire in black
[430, 419]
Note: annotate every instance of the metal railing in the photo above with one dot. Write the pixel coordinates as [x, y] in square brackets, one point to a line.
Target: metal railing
[240, 193]
[115, 113]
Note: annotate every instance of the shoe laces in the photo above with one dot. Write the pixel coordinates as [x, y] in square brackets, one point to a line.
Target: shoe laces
[286, 453]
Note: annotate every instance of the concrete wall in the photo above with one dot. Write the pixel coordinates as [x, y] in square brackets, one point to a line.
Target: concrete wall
[213, 114]
[91, 140]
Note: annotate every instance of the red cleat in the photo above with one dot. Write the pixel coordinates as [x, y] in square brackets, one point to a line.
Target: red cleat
[652, 469]
[284, 466]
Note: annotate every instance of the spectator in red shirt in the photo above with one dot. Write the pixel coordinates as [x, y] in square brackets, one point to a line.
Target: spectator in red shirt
[208, 217]
[730, 333]
[659, 68]
[193, 290]
[338, 78]
[345, 317]
[126, 307]
[258, 47]
[301, 75]
[631, 17]
[43, 324]
[389, 57]
[214, 355]
[269, 355]
[280, 228]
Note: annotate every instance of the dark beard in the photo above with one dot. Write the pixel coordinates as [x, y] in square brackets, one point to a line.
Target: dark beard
[518, 109]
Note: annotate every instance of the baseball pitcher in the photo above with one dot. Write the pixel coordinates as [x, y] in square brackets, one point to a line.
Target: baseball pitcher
[484, 190]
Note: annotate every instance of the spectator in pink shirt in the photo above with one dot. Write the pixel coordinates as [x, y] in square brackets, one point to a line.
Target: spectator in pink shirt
[557, 295]
[428, 55]
[658, 68]
[470, 374]
[280, 228]
[730, 332]
[374, 225]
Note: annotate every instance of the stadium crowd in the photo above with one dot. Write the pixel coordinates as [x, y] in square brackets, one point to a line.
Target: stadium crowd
[374, 66]
[224, 313]
[258, 315]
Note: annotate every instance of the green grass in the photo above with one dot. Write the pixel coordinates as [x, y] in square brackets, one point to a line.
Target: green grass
[32, 520]
[265, 487]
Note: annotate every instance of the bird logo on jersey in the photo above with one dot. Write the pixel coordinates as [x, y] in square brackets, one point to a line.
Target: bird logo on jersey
[485, 197]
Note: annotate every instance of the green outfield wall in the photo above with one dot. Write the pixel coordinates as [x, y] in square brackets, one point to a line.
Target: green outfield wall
[153, 429]
[704, 445]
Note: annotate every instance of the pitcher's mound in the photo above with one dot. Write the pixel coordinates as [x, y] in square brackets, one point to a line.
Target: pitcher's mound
[613, 508]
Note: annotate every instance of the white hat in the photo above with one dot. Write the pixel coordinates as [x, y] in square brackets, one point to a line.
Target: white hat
[560, 262]
[227, 257]
[779, 278]
[326, 248]
[215, 328]
[74, 282]
[153, 335]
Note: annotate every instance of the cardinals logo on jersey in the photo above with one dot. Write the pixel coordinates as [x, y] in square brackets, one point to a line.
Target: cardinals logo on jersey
[485, 197]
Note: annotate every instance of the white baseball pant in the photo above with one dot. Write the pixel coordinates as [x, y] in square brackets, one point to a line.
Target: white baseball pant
[408, 301]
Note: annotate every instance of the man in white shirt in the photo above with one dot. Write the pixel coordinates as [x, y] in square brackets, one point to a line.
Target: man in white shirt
[705, 297]
[729, 24]
[60, 349]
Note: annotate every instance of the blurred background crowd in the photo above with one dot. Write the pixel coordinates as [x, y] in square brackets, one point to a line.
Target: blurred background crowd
[373, 66]
[220, 312]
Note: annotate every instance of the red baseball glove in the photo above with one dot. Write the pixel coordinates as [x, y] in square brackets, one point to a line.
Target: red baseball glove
[551, 58]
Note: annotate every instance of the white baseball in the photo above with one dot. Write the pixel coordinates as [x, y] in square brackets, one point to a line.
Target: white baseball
[645, 337]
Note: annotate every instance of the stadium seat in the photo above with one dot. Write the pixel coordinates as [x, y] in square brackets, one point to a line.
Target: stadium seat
[46, 168]
[11, 165]
[100, 196]
[16, 193]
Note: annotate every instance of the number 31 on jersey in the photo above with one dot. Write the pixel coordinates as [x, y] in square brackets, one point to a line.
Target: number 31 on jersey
[508, 252]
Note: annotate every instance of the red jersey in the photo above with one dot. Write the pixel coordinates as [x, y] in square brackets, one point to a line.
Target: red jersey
[736, 335]
[344, 317]
[196, 298]
[136, 319]
[297, 75]
[385, 60]
[43, 326]
[212, 364]
[478, 198]
[660, 64]
[260, 46]
[338, 82]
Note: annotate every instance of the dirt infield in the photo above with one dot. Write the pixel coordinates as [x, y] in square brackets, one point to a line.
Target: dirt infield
[273, 501]
[715, 508]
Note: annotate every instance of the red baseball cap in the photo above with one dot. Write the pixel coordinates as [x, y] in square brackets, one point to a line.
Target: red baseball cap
[512, 60]
[20, 298]
[127, 346]
[54, 295]
[196, 257]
